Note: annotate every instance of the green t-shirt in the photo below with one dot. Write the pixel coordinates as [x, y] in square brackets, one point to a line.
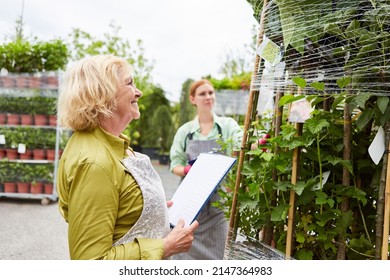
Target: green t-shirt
[230, 130]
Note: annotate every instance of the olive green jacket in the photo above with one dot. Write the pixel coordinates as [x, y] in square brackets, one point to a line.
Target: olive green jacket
[100, 200]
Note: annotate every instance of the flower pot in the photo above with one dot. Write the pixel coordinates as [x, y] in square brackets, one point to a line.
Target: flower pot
[48, 188]
[2, 153]
[34, 82]
[3, 118]
[26, 119]
[23, 187]
[12, 119]
[40, 119]
[26, 155]
[21, 82]
[8, 81]
[53, 120]
[11, 153]
[52, 82]
[36, 187]
[50, 154]
[9, 187]
[39, 154]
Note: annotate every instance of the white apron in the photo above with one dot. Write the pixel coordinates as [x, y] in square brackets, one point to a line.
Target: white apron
[153, 221]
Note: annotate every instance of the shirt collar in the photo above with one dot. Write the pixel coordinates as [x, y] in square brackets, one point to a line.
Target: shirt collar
[195, 122]
[118, 145]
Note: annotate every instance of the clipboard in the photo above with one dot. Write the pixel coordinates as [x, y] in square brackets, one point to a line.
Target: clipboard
[204, 177]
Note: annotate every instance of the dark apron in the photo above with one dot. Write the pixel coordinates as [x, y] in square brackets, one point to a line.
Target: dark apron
[210, 237]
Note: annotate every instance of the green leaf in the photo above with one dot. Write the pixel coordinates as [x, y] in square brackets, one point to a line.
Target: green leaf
[318, 85]
[344, 221]
[332, 29]
[365, 118]
[360, 100]
[289, 99]
[316, 126]
[321, 198]
[299, 237]
[279, 213]
[303, 254]
[382, 102]
[330, 202]
[299, 187]
[299, 82]
[344, 81]
[325, 217]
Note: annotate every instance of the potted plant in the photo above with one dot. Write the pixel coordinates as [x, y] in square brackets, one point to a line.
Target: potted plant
[23, 178]
[38, 146]
[39, 110]
[11, 144]
[8, 176]
[38, 177]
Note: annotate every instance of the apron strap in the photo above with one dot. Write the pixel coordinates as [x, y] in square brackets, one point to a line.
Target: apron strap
[191, 134]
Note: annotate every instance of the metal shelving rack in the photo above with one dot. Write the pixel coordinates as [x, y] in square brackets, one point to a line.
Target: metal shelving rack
[45, 198]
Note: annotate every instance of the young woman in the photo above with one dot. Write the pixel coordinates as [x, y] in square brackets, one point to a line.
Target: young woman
[191, 139]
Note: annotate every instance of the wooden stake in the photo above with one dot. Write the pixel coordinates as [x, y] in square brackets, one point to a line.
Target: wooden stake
[291, 210]
[385, 240]
[247, 123]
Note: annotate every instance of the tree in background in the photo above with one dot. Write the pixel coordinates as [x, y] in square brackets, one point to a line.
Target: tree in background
[163, 128]
[83, 44]
[185, 109]
[147, 125]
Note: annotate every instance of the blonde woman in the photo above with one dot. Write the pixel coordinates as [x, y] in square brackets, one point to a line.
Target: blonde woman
[110, 196]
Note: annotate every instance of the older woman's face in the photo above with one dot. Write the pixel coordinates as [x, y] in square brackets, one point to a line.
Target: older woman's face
[127, 99]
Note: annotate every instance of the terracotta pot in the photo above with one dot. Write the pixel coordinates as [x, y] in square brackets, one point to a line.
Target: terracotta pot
[9, 187]
[34, 82]
[12, 119]
[8, 82]
[53, 120]
[52, 82]
[26, 155]
[48, 188]
[36, 187]
[21, 82]
[26, 119]
[39, 154]
[23, 187]
[40, 119]
[2, 153]
[11, 154]
[3, 118]
[50, 154]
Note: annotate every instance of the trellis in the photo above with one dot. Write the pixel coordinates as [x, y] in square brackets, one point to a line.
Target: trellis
[335, 46]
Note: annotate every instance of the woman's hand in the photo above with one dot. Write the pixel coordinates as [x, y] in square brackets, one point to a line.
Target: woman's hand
[179, 239]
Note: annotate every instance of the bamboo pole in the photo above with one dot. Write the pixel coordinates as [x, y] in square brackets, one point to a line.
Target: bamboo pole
[247, 123]
[291, 210]
[385, 240]
[380, 210]
[294, 175]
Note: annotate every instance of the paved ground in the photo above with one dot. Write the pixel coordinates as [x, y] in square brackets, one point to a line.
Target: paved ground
[31, 231]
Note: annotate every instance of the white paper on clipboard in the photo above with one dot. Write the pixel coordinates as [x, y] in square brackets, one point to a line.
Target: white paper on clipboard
[205, 175]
